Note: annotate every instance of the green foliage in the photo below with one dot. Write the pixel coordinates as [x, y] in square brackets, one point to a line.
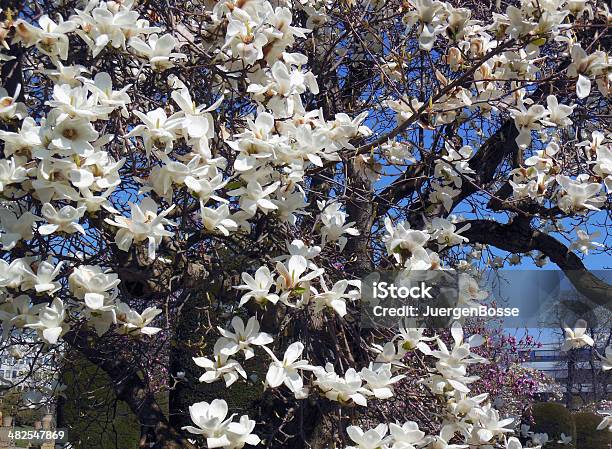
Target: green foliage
[10, 401]
[93, 416]
[554, 419]
[588, 437]
[12, 405]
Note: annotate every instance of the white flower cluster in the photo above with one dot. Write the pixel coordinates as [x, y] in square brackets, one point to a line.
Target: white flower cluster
[494, 88]
[470, 418]
[61, 160]
[67, 165]
[212, 422]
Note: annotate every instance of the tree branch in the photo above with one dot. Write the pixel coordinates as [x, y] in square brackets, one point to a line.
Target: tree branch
[519, 237]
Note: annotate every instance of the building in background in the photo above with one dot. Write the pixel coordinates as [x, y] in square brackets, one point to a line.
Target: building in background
[578, 373]
[17, 371]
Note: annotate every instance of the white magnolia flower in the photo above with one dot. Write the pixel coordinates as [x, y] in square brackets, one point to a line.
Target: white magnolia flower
[490, 424]
[16, 229]
[64, 220]
[93, 285]
[380, 381]
[539, 438]
[11, 173]
[443, 194]
[102, 86]
[603, 165]
[515, 443]
[52, 37]
[157, 131]
[73, 136]
[101, 317]
[470, 292]
[405, 243]
[218, 219]
[43, 280]
[144, 224]
[106, 24]
[584, 241]
[174, 172]
[240, 433]
[255, 144]
[334, 224]
[254, 196]
[371, 439]
[9, 107]
[131, 322]
[23, 142]
[519, 24]
[543, 160]
[17, 312]
[221, 366]
[65, 74]
[564, 439]
[452, 365]
[606, 423]
[558, 114]
[290, 205]
[524, 430]
[442, 441]
[464, 405]
[158, 50]
[78, 103]
[205, 187]
[197, 122]
[96, 172]
[299, 248]
[405, 107]
[211, 422]
[13, 274]
[258, 287]
[577, 337]
[446, 232]
[584, 66]
[336, 297]
[526, 121]
[579, 195]
[50, 323]
[244, 337]
[347, 389]
[286, 371]
[411, 337]
[293, 273]
[427, 15]
[389, 353]
[398, 152]
[244, 43]
[454, 166]
[406, 435]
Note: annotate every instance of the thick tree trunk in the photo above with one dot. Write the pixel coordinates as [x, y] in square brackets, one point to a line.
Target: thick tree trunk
[362, 210]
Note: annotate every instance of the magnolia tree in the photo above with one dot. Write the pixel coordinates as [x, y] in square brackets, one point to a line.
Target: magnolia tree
[258, 158]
